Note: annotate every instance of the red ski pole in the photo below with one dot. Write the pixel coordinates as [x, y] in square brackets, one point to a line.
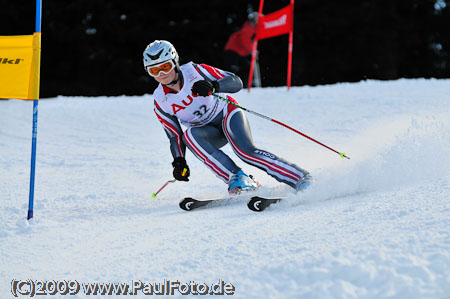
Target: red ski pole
[343, 155]
[164, 186]
[154, 195]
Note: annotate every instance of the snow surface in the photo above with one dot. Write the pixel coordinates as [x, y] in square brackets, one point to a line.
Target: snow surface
[375, 226]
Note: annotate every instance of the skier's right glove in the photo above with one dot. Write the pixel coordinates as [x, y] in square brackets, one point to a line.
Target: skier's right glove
[180, 169]
[205, 88]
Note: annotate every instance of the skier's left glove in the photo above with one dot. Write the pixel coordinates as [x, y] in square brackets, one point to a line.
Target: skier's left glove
[205, 88]
[180, 169]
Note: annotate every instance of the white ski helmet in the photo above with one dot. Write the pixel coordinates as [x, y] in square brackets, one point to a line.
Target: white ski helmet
[158, 52]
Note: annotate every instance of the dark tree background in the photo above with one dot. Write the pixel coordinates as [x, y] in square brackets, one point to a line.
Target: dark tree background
[94, 47]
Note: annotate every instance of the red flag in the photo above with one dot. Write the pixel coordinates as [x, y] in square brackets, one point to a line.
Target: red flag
[276, 23]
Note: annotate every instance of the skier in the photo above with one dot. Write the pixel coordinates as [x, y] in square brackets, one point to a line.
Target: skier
[238, 49]
[186, 94]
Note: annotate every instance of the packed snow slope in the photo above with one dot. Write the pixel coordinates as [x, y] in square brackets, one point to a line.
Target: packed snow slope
[374, 226]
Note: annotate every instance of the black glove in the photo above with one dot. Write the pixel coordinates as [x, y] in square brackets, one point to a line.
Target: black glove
[180, 169]
[205, 88]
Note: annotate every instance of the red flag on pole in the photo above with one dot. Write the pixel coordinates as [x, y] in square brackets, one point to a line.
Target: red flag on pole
[274, 24]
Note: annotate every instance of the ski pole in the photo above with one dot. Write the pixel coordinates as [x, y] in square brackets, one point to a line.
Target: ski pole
[167, 183]
[164, 186]
[343, 155]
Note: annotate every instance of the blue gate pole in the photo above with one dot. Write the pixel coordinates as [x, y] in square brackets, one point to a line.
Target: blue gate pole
[35, 121]
[33, 160]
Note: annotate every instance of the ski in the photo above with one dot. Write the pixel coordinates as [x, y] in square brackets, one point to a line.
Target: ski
[259, 204]
[256, 203]
[189, 203]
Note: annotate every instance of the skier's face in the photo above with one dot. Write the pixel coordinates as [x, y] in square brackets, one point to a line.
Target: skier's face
[164, 78]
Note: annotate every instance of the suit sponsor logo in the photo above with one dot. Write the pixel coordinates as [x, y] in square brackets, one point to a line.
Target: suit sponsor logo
[266, 154]
[186, 102]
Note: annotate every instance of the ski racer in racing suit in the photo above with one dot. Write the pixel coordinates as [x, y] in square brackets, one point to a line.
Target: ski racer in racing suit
[186, 95]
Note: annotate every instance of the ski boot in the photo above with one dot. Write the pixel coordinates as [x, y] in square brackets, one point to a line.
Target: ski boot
[304, 182]
[240, 182]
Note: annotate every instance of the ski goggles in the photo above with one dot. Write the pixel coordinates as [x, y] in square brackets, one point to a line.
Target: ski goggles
[166, 67]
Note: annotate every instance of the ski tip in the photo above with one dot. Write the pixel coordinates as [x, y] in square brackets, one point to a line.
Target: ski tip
[259, 204]
[185, 203]
[254, 204]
